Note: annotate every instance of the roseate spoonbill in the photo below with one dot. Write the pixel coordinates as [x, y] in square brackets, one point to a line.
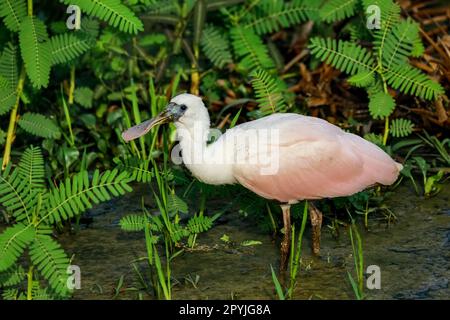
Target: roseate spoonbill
[314, 158]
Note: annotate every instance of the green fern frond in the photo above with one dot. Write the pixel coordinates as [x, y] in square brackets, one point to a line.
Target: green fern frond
[162, 7]
[39, 293]
[138, 169]
[362, 79]
[374, 138]
[216, 46]
[268, 92]
[8, 99]
[335, 10]
[84, 96]
[401, 128]
[399, 43]
[39, 125]
[35, 50]
[343, 55]
[67, 46]
[10, 294]
[8, 66]
[271, 16]
[111, 11]
[249, 47]
[89, 29]
[410, 80]
[13, 276]
[50, 259]
[198, 224]
[13, 242]
[381, 105]
[390, 15]
[175, 204]
[178, 233]
[78, 193]
[133, 222]
[12, 12]
[31, 169]
[15, 194]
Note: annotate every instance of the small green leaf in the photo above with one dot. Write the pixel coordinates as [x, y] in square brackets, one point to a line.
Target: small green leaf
[39, 125]
[381, 105]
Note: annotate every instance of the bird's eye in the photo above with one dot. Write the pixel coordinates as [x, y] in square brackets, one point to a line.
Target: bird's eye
[183, 107]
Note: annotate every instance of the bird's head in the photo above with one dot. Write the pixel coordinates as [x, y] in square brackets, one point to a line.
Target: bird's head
[184, 110]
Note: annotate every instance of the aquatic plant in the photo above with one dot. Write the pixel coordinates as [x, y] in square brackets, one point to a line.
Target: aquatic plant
[358, 258]
[35, 209]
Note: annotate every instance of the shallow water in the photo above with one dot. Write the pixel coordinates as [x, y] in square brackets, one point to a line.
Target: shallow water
[413, 255]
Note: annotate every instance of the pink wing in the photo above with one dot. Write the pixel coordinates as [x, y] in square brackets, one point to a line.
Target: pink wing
[317, 160]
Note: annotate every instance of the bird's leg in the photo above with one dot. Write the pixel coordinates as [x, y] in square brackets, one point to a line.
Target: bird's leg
[316, 222]
[286, 243]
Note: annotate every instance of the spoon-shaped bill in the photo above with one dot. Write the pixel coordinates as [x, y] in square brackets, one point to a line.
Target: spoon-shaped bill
[144, 127]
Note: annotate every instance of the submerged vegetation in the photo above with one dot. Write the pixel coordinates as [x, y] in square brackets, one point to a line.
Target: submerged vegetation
[72, 80]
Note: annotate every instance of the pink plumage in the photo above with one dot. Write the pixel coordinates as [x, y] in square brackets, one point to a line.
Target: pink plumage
[316, 160]
[313, 158]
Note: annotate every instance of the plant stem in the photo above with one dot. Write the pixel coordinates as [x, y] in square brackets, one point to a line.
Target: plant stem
[12, 121]
[386, 130]
[30, 283]
[72, 84]
[30, 8]
[68, 119]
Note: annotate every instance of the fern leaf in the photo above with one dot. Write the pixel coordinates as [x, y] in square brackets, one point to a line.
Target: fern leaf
[10, 294]
[67, 46]
[138, 169]
[39, 125]
[401, 128]
[362, 79]
[216, 46]
[249, 47]
[31, 169]
[35, 50]
[345, 56]
[8, 66]
[13, 242]
[15, 195]
[390, 15]
[84, 96]
[381, 105]
[399, 44]
[271, 16]
[12, 12]
[335, 10]
[268, 91]
[133, 222]
[178, 233]
[374, 138]
[89, 29]
[410, 80]
[39, 293]
[111, 11]
[8, 99]
[198, 224]
[175, 204]
[13, 276]
[78, 193]
[162, 7]
[50, 259]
